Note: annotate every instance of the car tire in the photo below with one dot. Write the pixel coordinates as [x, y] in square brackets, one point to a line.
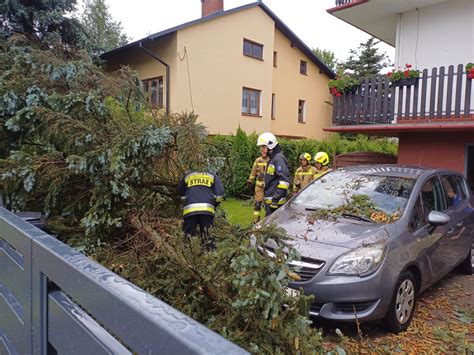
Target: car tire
[466, 266]
[402, 306]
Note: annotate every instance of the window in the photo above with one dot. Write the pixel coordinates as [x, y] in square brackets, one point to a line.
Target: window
[470, 167]
[275, 59]
[453, 192]
[301, 111]
[303, 67]
[432, 196]
[154, 91]
[273, 106]
[251, 102]
[431, 199]
[253, 49]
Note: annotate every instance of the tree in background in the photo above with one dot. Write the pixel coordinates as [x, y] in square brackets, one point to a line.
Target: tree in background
[104, 33]
[40, 19]
[327, 56]
[366, 60]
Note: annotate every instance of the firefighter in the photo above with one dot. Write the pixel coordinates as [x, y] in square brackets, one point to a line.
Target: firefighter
[258, 175]
[321, 160]
[304, 175]
[277, 176]
[202, 193]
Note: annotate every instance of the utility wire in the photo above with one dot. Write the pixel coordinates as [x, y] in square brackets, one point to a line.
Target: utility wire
[185, 56]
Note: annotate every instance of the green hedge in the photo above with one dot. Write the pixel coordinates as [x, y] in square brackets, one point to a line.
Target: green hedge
[240, 151]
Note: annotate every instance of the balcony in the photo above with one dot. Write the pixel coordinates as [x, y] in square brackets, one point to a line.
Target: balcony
[438, 96]
[377, 17]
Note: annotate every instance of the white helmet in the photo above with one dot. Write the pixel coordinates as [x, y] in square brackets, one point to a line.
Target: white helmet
[267, 139]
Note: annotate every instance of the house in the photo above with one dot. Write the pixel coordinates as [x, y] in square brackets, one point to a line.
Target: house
[241, 67]
[433, 117]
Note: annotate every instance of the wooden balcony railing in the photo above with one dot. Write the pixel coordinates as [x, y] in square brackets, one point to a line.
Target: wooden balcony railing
[437, 96]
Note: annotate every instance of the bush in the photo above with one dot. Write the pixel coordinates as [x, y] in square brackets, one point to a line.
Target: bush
[242, 146]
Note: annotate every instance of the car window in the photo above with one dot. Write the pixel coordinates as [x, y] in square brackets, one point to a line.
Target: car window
[419, 217]
[462, 186]
[453, 192]
[432, 196]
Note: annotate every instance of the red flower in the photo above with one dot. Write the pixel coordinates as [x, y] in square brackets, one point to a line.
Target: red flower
[471, 70]
[470, 75]
[408, 66]
[406, 73]
[389, 74]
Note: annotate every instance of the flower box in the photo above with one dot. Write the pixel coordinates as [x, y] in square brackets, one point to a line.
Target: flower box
[406, 82]
[470, 71]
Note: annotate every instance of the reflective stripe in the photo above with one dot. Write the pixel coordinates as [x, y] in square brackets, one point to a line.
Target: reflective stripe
[262, 164]
[268, 200]
[218, 198]
[198, 207]
[283, 185]
[194, 179]
[256, 213]
[260, 183]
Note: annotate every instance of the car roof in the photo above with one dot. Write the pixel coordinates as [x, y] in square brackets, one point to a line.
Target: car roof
[414, 172]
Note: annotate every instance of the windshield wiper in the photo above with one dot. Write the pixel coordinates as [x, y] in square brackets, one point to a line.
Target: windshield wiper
[354, 216]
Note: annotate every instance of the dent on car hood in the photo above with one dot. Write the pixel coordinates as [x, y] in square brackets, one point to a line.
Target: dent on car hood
[342, 232]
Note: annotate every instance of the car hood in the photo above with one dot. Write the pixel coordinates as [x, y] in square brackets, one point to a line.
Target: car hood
[346, 233]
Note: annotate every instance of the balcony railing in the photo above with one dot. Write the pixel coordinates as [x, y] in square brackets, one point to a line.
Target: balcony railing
[439, 96]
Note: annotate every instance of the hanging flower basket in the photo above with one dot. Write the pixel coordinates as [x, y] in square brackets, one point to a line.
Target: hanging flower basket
[470, 71]
[405, 77]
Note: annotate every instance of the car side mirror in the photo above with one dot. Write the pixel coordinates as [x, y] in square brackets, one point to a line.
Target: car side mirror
[437, 219]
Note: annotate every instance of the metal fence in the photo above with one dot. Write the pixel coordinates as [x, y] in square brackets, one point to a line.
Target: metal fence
[54, 300]
[439, 95]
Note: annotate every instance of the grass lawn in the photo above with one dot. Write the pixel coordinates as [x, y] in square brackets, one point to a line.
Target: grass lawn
[238, 212]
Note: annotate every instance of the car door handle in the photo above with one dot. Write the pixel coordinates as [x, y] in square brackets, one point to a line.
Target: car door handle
[460, 224]
[451, 231]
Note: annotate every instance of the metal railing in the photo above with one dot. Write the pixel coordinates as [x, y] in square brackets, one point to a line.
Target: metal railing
[54, 300]
[443, 95]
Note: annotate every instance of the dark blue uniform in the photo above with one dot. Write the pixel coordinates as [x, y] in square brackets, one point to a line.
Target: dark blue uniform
[277, 181]
[202, 192]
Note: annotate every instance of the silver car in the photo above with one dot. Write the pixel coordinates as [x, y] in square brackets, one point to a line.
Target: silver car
[372, 238]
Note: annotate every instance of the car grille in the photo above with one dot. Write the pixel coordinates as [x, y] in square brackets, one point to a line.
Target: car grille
[307, 268]
[349, 307]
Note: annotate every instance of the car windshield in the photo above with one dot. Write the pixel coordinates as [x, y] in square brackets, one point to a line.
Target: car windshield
[373, 198]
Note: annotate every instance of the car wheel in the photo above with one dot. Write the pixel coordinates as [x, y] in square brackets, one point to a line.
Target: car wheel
[466, 266]
[403, 304]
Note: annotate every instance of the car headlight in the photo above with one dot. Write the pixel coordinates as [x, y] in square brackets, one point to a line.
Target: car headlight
[361, 262]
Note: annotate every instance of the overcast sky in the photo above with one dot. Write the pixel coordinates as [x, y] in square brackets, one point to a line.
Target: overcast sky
[307, 18]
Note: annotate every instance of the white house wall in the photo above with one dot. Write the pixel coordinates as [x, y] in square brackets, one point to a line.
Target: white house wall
[438, 35]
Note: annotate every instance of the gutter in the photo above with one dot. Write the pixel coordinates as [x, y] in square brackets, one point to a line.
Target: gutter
[150, 53]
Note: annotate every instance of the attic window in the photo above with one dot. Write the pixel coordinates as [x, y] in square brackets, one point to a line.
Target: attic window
[303, 67]
[253, 49]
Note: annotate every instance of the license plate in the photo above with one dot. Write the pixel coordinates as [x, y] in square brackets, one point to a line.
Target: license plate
[291, 292]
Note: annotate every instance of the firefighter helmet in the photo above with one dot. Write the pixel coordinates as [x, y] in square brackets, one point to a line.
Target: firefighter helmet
[322, 158]
[268, 139]
[305, 156]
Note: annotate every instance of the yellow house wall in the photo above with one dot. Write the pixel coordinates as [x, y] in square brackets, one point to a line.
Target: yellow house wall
[289, 86]
[218, 71]
[147, 67]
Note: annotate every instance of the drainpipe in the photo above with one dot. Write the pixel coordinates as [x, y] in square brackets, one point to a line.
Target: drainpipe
[149, 52]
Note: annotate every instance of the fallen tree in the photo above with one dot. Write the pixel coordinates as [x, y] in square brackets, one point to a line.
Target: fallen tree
[84, 147]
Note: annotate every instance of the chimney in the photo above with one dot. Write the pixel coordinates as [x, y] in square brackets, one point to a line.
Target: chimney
[211, 6]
